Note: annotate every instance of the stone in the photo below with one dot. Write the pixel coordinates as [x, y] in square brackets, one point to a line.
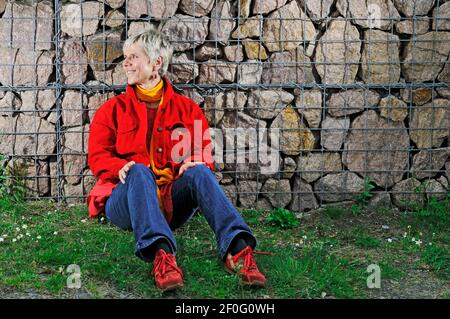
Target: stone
[288, 167]
[75, 139]
[351, 101]
[369, 134]
[278, 192]
[267, 104]
[264, 204]
[207, 52]
[294, 136]
[444, 76]
[155, 9]
[181, 69]
[333, 132]
[194, 95]
[138, 27]
[430, 123]
[234, 100]
[429, 162]
[254, 50]
[95, 101]
[240, 120]
[196, 8]
[249, 72]
[35, 175]
[7, 129]
[444, 182]
[185, 32]
[2, 6]
[379, 14]
[419, 25]
[309, 105]
[425, 56]
[27, 26]
[339, 187]
[74, 106]
[74, 62]
[434, 189]
[222, 22]
[393, 108]
[414, 7]
[312, 166]
[9, 103]
[114, 19]
[81, 19]
[231, 192]
[338, 53]
[380, 61]
[266, 6]
[103, 49]
[416, 97]
[380, 200]
[234, 53]
[286, 28]
[405, 194]
[303, 198]
[443, 92]
[288, 67]
[317, 10]
[244, 8]
[39, 140]
[215, 72]
[115, 4]
[440, 17]
[73, 165]
[24, 67]
[248, 193]
[249, 28]
[42, 100]
[115, 76]
[213, 108]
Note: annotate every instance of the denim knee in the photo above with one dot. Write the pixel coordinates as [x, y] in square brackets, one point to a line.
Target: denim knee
[200, 170]
[140, 169]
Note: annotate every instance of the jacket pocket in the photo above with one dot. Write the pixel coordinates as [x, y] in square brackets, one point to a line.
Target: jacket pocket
[126, 140]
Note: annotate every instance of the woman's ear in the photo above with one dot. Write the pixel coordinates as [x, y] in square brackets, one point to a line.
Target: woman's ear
[158, 64]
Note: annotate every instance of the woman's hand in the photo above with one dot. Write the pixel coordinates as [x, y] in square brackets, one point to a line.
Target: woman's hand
[187, 165]
[124, 170]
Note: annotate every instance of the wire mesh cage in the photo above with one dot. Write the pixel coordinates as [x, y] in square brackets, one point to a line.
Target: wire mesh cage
[309, 102]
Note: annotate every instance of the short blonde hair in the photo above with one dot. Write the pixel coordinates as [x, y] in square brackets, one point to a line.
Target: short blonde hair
[155, 44]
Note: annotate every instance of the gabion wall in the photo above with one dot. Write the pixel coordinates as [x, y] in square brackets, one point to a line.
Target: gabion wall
[357, 89]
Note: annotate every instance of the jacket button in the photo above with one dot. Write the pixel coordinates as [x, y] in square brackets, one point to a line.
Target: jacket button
[160, 129]
[159, 150]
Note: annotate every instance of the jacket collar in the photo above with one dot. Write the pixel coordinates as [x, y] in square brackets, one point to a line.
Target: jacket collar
[168, 93]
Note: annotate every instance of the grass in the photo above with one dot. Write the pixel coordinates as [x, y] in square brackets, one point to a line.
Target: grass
[325, 254]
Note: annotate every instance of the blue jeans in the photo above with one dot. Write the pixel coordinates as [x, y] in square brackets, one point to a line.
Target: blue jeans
[134, 206]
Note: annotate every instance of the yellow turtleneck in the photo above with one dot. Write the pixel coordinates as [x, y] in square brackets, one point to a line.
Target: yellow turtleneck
[155, 94]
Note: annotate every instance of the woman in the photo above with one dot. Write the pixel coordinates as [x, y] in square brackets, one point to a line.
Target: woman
[144, 184]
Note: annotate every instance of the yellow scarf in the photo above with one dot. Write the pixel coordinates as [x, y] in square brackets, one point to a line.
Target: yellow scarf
[165, 175]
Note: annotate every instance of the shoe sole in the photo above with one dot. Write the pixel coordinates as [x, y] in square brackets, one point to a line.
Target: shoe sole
[255, 283]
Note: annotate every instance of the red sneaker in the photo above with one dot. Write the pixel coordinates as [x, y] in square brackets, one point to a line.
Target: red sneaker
[244, 264]
[168, 275]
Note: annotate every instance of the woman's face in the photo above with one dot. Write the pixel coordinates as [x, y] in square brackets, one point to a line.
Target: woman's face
[138, 67]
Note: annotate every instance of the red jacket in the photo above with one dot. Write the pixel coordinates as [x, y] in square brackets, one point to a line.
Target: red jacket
[118, 135]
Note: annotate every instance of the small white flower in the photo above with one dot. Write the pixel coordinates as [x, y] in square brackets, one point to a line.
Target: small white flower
[413, 239]
[420, 234]
[102, 219]
[55, 233]
[409, 226]
[429, 244]
[28, 234]
[331, 245]
[389, 240]
[38, 237]
[418, 242]
[2, 239]
[301, 242]
[304, 237]
[83, 220]
[24, 226]
[5, 235]
[405, 234]
[324, 294]
[17, 229]
[14, 240]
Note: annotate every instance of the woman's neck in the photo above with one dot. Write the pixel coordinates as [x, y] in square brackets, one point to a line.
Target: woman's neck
[151, 83]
